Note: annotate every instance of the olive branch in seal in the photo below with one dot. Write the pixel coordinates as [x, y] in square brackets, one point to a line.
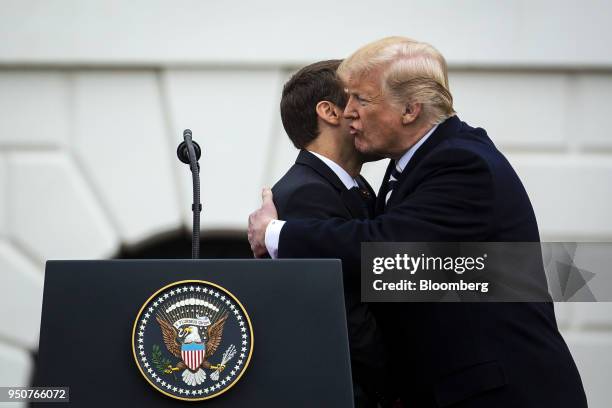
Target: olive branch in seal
[159, 362]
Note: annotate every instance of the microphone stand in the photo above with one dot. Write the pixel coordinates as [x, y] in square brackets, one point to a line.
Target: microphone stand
[189, 152]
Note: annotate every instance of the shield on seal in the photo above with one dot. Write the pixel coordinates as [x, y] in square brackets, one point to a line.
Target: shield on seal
[193, 355]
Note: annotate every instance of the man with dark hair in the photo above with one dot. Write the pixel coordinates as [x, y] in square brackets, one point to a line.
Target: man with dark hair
[323, 183]
[312, 84]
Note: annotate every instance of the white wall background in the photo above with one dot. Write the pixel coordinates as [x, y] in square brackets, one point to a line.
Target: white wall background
[94, 96]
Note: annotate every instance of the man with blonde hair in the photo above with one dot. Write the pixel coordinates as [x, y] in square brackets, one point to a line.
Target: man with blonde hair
[446, 182]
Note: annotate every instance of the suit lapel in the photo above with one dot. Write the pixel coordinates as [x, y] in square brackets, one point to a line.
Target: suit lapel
[354, 203]
[445, 130]
[308, 159]
[351, 199]
[367, 186]
[369, 197]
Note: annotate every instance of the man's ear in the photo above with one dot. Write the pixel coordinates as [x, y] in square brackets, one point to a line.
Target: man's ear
[329, 112]
[411, 113]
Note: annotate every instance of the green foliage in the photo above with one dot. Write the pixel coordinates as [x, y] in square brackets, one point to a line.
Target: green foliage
[159, 362]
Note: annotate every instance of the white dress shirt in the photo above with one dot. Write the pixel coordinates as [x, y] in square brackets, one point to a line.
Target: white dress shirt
[274, 228]
[346, 178]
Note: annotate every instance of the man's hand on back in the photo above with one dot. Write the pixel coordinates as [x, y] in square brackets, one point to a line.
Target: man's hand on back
[258, 222]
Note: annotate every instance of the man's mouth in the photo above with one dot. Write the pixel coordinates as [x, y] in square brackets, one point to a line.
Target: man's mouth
[353, 130]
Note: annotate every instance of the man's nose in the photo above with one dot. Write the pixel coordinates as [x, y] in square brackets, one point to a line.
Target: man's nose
[349, 109]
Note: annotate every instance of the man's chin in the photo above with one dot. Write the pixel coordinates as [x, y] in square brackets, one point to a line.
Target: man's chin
[370, 157]
[361, 146]
[366, 152]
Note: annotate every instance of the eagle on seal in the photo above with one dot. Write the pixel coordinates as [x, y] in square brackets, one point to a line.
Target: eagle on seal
[193, 348]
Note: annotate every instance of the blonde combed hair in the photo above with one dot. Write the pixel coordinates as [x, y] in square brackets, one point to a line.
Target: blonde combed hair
[412, 72]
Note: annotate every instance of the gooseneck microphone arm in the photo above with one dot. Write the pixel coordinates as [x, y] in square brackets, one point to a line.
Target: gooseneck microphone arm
[189, 152]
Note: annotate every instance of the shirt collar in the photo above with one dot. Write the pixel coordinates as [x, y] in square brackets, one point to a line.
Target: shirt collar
[346, 178]
[403, 161]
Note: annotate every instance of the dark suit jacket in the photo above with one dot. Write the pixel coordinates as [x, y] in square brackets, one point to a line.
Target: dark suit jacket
[310, 189]
[457, 187]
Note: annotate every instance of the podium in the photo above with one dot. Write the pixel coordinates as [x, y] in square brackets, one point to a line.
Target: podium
[299, 356]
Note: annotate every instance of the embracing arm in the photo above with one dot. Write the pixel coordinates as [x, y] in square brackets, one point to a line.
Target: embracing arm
[452, 203]
[307, 201]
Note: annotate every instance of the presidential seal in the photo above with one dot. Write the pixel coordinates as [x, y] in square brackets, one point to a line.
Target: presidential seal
[192, 340]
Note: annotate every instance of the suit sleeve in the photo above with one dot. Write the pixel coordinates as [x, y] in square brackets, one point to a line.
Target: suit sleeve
[452, 202]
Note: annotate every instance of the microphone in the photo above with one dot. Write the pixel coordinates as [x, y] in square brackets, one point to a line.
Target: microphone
[183, 152]
[189, 152]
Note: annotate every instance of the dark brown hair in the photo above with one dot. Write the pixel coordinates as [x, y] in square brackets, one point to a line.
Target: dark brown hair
[307, 87]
